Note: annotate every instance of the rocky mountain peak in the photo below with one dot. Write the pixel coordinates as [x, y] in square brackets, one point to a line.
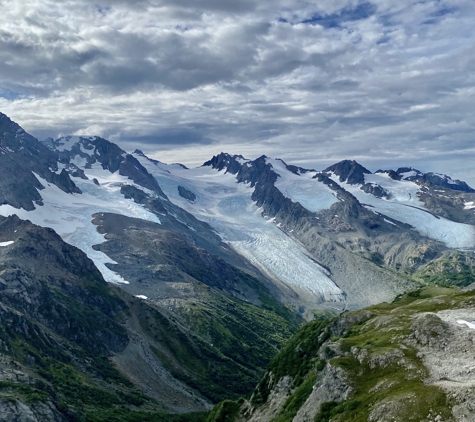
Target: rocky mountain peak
[349, 171]
[433, 179]
[232, 163]
[445, 181]
[391, 173]
[94, 149]
[408, 173]
[24, 161]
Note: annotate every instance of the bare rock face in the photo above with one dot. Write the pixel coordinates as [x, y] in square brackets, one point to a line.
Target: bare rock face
[21, 412]
[185, 193]
[279, 394]
[349, 171]
[375, 190]
[95, 149]
[21, 158]
[332, 385]
[434, 179]
[446, 346]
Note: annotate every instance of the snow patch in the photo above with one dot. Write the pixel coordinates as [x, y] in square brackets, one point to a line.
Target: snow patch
[407, 174]
[405, 206]
[390, 222]
[241, 160]
[468, 324]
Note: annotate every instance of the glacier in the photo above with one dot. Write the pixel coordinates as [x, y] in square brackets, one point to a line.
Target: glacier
[310, 193]
[226, 205]
[405, 206]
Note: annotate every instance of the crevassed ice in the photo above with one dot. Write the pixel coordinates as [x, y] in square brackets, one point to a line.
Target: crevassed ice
[227, 206]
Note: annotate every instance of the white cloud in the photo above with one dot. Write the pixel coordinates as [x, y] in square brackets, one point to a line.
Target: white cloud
[311, 83]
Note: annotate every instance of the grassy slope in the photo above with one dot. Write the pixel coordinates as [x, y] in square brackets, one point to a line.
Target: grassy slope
[456, 269]
[219, 346]
[375, 352]
[81, 382]
[61, 322]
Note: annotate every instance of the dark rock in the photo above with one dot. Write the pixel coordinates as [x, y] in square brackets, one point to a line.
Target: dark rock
[446, 182]
[42, 274]
[434, 179]
[140, 197]
[349, 171]
[401, 170]
[225, 161]
[75, 171]
[391, 173]
[111, 157]
[185, 193]
[376, 190]
[21, 157]
[131, 168]
[64, 182]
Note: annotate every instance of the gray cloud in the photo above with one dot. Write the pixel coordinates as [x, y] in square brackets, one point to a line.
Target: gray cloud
[382, 81]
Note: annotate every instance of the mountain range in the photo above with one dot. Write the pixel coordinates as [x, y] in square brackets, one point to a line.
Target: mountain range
[133, 290]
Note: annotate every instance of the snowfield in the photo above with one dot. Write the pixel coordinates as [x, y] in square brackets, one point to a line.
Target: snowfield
[70, 215]
[405, 206]
[402, 191]
[310, 193]
[227, 206]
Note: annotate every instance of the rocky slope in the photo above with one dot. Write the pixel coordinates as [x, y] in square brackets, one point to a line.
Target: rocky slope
[22, 156]
[411, 360]
[74, 347]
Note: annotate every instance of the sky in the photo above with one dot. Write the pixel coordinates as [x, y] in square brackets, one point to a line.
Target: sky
[389, 83]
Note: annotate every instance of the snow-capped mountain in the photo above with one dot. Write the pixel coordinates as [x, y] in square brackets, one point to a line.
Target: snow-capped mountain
[319, 238]
[227, 206]
[96, 214]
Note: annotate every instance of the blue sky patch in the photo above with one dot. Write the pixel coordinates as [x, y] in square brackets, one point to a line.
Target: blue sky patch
[436, 16]
[444, 11]
[9, 95]
[335, 20]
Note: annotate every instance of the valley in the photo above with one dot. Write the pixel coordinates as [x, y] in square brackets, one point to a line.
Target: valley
[135, 290]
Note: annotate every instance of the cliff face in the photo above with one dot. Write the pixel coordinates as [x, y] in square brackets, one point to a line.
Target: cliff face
[22, 156]
[411, 360]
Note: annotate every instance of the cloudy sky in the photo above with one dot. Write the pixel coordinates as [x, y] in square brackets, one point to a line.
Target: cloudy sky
[386, 82]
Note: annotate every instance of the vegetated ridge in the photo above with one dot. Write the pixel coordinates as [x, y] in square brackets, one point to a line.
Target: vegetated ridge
[411, 360]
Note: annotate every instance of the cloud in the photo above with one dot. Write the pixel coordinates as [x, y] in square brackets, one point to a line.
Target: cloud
[310, 82]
